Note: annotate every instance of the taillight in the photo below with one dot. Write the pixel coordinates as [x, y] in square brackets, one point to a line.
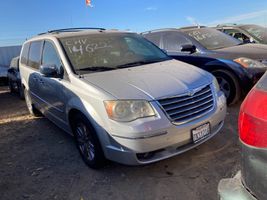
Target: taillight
[253, 119]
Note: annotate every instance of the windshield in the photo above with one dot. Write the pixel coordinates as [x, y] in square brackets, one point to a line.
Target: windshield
[212, 39]
[102, 52]
[256, 31]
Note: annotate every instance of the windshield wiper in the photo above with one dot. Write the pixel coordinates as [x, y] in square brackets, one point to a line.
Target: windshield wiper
[98, 68]
[143, 62]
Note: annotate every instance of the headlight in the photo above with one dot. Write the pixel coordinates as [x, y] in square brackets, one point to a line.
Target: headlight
[128, 110]
[216, 84]
[249, 63]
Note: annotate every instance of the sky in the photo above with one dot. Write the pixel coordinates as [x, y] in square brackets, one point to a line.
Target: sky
[23, 19]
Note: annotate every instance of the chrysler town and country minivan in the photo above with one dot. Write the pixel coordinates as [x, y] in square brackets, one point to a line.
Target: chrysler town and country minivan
[121, 97]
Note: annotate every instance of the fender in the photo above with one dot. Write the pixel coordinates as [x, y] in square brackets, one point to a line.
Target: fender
[87, 109]
[241, 73]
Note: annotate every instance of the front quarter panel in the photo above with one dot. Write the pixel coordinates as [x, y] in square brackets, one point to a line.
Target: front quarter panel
[87, 99]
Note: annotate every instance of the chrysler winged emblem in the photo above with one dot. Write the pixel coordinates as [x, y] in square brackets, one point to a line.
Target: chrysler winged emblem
[191, 93]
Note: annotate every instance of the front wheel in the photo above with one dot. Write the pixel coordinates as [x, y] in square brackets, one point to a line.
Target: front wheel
[88, 142]
[229, 84]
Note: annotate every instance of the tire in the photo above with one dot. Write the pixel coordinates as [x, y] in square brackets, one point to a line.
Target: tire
[33, 111]
[87, 142]
[11, 88]
[229, 84]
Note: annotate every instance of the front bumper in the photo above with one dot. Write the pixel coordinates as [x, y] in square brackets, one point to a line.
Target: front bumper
[233, 189]
[163, 141]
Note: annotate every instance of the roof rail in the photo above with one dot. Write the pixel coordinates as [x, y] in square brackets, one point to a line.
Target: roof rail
[189, 27]
[226, 24]
[72, 30]
[157, 30]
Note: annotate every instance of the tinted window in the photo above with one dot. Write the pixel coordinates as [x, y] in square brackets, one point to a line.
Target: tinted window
[211, 38]
[173, 41]
[35, 54]
[237, 34]
[24, 54]
[153, 37]
[50, 56]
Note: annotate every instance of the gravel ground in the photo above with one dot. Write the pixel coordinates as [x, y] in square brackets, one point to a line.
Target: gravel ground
[39, 161]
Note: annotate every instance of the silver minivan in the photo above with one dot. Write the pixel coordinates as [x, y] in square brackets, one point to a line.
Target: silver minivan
[120, 96]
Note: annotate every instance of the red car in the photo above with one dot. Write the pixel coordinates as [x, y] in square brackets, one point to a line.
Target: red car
[251, 183]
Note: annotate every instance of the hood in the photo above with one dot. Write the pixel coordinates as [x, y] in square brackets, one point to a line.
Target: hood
[151, 81]
[252, 51]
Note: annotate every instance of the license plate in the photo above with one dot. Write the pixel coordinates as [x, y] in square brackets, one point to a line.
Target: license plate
[201, 132]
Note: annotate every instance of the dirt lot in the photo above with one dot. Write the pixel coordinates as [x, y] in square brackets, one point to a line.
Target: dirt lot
[39, 161]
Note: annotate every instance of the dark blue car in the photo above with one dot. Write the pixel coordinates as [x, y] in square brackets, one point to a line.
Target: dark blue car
[237, 66]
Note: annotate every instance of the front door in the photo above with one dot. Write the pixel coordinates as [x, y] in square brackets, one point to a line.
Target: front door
[52, 90]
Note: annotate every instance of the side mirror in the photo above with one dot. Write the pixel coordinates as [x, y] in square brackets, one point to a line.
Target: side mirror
[188, 48]
[49, 70]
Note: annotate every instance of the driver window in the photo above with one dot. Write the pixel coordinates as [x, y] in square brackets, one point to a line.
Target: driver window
[50, 55]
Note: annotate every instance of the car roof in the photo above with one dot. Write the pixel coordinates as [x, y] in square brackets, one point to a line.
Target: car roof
[159, 30]
[62, 33]
[185, 29]
[182, 29]
[233, 25]
[192, 27]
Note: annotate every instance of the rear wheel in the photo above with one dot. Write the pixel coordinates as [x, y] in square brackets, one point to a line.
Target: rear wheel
[229, 85]
[21, 91]
[33, 111]
[87, 142]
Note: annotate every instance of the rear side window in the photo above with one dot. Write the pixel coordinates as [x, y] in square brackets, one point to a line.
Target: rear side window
[24, 54]
[35, 54]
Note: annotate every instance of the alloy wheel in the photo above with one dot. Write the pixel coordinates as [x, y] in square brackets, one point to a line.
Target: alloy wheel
[85, 143]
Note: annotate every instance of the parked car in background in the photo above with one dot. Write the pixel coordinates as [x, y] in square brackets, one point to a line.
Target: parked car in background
[120, 96]
[3, 75]
[6, 54]
[250, 184]
[236, 66]
[246, 33]
[14, 80]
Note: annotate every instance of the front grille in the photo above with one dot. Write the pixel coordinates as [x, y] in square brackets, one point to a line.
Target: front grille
[187, 107]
